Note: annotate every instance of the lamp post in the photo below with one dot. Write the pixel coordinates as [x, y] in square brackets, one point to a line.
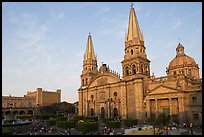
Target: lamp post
[37, 109]
[11, 107]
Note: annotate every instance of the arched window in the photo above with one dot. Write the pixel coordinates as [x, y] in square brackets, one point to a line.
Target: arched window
[141, 68]
[115, 94]
[82, 82]
[189, 72]
[127, 70]
[86, 81]
[133, 69]
[92, 112]
[131, 52]
[92, 97]
[146, 70]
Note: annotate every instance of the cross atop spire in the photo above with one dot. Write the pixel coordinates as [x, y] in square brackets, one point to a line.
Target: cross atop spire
[131, 5]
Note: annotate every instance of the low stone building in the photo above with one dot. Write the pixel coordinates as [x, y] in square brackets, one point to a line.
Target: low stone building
[29, 103]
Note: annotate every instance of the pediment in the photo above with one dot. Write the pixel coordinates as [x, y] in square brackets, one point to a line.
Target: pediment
[162, 89]
[104, 79]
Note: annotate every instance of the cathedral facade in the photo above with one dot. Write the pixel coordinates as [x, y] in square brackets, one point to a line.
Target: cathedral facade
[137, 95]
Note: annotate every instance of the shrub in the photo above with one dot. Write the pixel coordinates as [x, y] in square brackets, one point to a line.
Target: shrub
[130, 122]
[87, 127]
[91, 118]
[61, 118]
[6, 131]
[42, 117]
[113, 124]
[62, 124]
[52, 116]
[107, 119]
[51, 122]
[71, 124]
[24, 117]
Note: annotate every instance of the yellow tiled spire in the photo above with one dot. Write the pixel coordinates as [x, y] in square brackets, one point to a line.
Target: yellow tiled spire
[89, 55]
[134, 33]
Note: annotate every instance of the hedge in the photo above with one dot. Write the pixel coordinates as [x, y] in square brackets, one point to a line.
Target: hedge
[113, 124]
[91, 118]
[42, 117]
[87, 127]
[71, 124]
[61, 118]
[6, 131]
[24, 117]
[66, 124]
[130, 122]
[51, 122]
[62, 124]
[107, 119]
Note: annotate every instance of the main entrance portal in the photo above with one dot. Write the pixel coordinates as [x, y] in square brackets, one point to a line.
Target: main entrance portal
[102, 112]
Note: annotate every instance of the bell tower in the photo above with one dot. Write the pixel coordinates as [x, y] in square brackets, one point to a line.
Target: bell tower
[89, 63]
[135, 62]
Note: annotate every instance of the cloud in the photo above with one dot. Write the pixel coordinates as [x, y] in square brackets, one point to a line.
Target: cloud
[103, 11]
[57, 15]
[176, 24]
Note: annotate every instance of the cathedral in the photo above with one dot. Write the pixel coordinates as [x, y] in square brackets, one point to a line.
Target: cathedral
[137, 95]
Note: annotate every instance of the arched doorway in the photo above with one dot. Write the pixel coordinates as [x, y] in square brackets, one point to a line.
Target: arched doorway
[22, 112]
[7, 112]
[115, 112]
[92, 112]
[102, 112]
[15, 112]
[30, 112]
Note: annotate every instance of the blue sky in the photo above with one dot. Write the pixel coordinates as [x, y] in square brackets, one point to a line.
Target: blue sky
[44, 43]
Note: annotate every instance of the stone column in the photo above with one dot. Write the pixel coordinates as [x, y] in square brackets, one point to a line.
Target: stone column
[148, 107]
[181, 109]
[170, 106]
[108, 108]
[156, 107]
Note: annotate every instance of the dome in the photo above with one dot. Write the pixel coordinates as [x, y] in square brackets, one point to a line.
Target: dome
[181, 61]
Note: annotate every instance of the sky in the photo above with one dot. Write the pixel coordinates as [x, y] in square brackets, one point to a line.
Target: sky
[43, 43]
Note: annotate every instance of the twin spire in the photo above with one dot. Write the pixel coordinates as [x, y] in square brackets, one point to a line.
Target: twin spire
[134, 33]
[89, 55]
[134, 36]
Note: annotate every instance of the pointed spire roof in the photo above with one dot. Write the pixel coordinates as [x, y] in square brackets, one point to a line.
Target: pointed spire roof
[89, 50]
[134, 32]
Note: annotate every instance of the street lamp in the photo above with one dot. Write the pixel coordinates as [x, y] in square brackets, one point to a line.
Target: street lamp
[37, 109]
[10, 107]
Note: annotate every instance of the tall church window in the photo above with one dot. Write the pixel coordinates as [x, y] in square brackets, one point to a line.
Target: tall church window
[195, 116]
[194, 99]
[92, 97]
[86, 81]
[146, 70]
[131, 52]
[127, 70]
[189, 72]
[141, 67]
[133, 69]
